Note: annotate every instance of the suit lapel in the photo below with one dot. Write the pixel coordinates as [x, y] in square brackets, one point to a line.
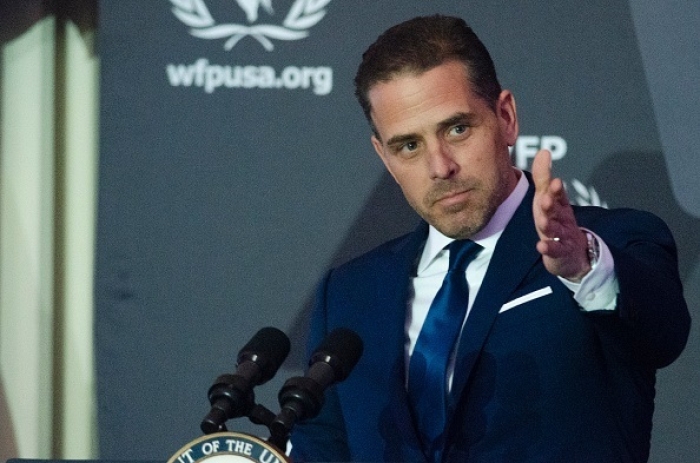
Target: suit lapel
[396, 421]
[502, 277]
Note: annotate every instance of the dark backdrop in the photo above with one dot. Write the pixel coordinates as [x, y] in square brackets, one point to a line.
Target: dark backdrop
[236, 167]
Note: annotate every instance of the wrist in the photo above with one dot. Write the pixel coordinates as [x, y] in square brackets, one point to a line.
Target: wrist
[592, 248]
[590, 257]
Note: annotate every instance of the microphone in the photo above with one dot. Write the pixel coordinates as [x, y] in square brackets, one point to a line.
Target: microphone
[301, 398]
[232, 396]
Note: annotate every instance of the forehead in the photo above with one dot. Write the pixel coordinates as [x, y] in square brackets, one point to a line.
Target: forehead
[417, 102]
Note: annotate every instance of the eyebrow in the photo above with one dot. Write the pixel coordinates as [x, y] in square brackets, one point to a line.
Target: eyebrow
[458, 118]
[398, 140]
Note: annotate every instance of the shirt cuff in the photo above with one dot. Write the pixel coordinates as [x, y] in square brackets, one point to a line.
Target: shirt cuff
[599, 288]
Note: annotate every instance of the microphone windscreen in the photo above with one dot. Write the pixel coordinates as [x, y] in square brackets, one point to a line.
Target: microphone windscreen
[268, 349]
[341, 349]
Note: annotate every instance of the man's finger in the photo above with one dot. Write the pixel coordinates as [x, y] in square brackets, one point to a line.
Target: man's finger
[542, 170]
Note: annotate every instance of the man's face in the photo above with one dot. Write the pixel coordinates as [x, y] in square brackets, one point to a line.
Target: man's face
[445, 146]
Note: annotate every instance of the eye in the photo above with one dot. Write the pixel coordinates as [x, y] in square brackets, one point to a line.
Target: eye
[408, 149]
[410, 146]
[458, 129]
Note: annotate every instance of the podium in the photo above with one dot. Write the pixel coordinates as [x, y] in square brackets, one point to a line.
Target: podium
[221, 447]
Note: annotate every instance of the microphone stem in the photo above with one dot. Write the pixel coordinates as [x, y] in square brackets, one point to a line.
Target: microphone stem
[281, 427]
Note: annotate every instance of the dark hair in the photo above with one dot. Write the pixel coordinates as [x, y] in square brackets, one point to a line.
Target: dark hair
[421, 44]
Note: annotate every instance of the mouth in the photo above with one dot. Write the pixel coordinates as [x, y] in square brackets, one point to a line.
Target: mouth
[453, 198]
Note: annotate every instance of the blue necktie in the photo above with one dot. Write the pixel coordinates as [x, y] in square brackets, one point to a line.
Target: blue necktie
[427, 374]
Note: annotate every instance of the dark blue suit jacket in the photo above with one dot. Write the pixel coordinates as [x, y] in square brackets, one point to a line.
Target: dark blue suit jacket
[540, 382]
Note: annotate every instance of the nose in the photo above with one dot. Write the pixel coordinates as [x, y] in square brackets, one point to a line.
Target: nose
[441, 162]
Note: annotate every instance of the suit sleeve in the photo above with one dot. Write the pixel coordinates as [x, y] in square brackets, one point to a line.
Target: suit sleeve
[322, 438]
[652, 322]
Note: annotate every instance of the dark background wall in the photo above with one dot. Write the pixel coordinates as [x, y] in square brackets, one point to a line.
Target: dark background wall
[221, 206]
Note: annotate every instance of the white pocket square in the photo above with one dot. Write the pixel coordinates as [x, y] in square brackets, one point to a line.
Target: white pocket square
[526, 298]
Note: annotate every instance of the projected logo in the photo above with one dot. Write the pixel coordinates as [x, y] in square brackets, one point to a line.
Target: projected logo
[302, 16]
[210, 76]
[526, 146]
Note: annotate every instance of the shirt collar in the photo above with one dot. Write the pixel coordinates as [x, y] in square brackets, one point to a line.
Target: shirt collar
[486, 237]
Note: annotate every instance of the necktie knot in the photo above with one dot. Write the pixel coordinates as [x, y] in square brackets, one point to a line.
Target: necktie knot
[461, 253]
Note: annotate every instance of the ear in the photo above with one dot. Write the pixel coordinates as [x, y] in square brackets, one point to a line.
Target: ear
[507, 116]
[379, 148]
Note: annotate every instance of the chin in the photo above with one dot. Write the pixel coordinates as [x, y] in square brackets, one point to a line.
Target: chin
[461, 229]
[458, 221]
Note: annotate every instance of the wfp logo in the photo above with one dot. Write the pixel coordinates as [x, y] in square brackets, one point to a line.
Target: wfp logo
[527, 146]
[208, 76]
[302, 15]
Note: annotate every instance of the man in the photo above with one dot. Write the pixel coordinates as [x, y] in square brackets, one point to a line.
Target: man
[566, 314]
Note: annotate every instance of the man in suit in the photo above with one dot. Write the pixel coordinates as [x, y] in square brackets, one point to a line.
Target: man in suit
[566, 314]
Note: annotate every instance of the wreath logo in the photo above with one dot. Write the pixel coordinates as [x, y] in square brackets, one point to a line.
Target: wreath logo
[585, 196]
[302, 15]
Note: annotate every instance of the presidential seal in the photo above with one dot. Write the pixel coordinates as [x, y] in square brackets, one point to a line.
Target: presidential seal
[229, 447]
